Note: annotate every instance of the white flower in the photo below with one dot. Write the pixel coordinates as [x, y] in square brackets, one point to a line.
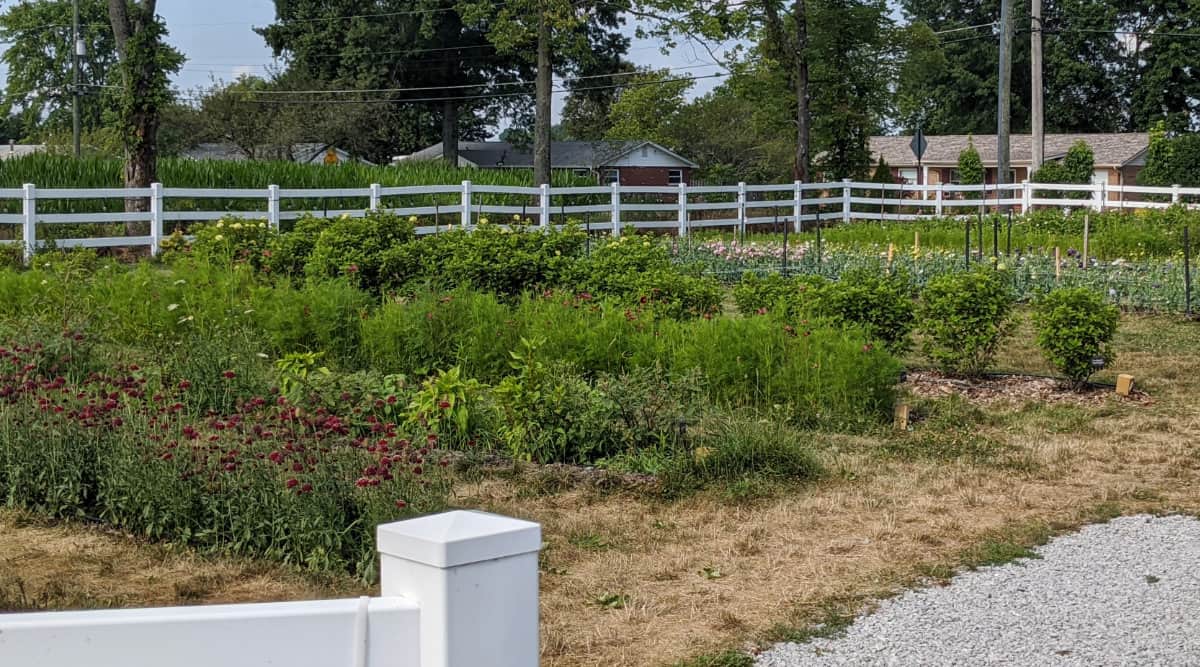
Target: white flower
[45, 282]
[236, 225]
[262, 225]
[220, 224]
[172, 307]
[262, 356]
[181, 282]
[345, 216]
[220, 237]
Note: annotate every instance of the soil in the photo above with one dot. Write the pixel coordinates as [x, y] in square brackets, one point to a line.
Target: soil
[998, 388]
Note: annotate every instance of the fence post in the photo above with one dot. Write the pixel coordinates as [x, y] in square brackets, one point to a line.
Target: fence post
[29, 224]
[616, 209]
[544, 207]
[939, 208]
[376, 196]
[156, 217]
[475, 577]
[846, 200]
[1098, 196]
[1175, 193]
[683, 212]
[465, 219]
[741, 209]
[797, 206]
[1026, 197]
[273, 207]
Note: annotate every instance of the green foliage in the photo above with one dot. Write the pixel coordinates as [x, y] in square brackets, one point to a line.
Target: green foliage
[1079, 162]
[790, 296]
[1074, 326]
[880, 303]
[970, 166]
[640, 272]
[1172, 160]
[445, 405]
[12, 255]
[288, 253]
[231, 240]
[736, 449]
[354, 247]
[296, 371]
[963, 317]
[645, 110]
[322, 316]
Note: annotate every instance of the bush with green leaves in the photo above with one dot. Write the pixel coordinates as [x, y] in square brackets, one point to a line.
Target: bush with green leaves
[231, 240]
[880, 303]
[321, 316]
[963, 317]
[354, 248]
[12, 255]
[289, 251]
[775, 294]
[1075, 326]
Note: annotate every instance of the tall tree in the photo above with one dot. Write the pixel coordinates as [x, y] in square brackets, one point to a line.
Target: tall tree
[648, 107]
[39, 83]
[585, 114]
[146, 63]
[1163, 53]
[415, 61]
[565, 37]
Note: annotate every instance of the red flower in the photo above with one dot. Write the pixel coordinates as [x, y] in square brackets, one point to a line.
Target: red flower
[431, 438]
[291, 483]
[353, 268]
[275, 457]
[306, 488]
[228, 375]
[230, 467]
[444, 405]
[362, 481]
[401, 504]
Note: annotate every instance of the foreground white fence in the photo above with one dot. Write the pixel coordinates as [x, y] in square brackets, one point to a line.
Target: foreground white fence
[679, 208]
[459, 589]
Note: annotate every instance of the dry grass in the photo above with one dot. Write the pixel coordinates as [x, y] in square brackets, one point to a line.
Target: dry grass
[48, 565]
[703, 574]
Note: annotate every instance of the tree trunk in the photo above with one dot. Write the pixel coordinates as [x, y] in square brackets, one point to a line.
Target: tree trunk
[450, 131]
[141, 117]
[541, 123]
[803, 116]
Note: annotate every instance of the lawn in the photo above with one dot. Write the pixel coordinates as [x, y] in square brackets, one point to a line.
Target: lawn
[706, 478]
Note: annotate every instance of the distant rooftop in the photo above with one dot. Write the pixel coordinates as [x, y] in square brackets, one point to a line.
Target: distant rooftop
[563, 154]
[19, 150]
[1111, 150]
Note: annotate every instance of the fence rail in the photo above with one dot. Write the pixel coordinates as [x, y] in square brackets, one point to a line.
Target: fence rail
[459, 589]
[614, 208]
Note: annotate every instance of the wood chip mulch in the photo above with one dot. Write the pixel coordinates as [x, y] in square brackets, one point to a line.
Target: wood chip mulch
[997, 388]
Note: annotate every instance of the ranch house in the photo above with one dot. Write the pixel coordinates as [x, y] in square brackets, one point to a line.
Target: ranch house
[624, 162]
[1119, 157]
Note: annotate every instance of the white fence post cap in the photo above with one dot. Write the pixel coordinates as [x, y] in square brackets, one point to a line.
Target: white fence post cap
[458, 538]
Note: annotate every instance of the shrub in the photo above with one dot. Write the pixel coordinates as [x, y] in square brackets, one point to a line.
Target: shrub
[289, 252]
[964, 316]
[970, 166]
[789, 297]
[12, 255]
[354, 247]
[501, 260]
[879, 303]
[667, 292]
[231, 240]
[1074, 326]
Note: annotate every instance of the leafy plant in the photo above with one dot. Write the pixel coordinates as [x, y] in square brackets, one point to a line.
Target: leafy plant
[964, 317]
[878, 302]
[444, 404]
[1074, 327]
[354, 247]
[295, 372]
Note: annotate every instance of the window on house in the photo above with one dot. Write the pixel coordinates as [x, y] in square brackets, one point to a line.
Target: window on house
[582, 172]
[612, 176]
[908, 176]
[675, 176]
[954, 177]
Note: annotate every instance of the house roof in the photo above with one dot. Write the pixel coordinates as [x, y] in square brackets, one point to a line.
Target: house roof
[303, 152]
[1111, 150]
[563, 154]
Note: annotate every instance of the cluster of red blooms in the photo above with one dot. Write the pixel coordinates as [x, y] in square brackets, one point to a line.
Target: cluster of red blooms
[295, 442]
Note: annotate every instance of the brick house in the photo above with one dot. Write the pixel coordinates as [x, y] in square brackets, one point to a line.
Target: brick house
[1119, 157]
[626, 162]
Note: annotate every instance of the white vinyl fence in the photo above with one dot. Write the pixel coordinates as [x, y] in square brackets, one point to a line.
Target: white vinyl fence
[459, 589]
[679, 208]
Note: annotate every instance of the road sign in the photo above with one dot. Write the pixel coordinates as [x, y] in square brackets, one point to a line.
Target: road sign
[919, 144]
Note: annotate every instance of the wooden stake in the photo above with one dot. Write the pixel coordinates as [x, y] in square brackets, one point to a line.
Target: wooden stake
[891, 254]
[1057, 264]
[1086, 226]
[917, 241]
[901, 417]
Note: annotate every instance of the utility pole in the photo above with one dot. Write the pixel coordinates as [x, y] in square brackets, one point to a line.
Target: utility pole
[76, 52]
[1038, 111]
[541, 121]
[1004, 111]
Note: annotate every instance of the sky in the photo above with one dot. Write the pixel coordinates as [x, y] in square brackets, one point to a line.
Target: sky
[218, 39]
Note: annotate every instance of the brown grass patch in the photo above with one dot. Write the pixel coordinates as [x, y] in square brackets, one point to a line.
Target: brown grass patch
[49, 565]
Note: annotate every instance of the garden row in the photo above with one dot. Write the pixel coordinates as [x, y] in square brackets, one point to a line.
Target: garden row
[278, 395]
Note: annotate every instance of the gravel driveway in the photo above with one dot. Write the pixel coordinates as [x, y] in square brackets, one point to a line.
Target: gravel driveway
[1125, 592]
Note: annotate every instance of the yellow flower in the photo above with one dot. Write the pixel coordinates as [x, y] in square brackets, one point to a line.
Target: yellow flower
[412, 219]
[220, 237]
[220, 224]
[236, 225]
[558, 253]
[345, 216]
[483, 221]
[702, 453]
[516, 217]
[645, 244]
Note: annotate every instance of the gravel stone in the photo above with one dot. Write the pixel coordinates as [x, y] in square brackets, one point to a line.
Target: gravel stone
[1126, 592]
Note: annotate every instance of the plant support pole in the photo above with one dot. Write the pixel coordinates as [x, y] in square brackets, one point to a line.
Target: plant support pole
[1008, 244]
[1187, 273]
[967, 246]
